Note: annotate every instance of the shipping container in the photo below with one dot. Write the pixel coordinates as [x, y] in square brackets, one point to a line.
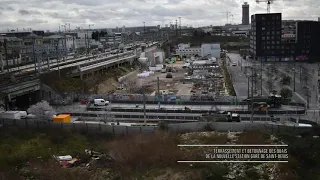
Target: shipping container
[10, 115]
[62, 118]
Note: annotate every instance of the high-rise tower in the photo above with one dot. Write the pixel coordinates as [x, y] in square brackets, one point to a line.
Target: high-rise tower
[245, 14]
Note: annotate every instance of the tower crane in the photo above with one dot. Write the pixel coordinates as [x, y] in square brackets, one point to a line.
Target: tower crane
[228, 13]
[232, 22]
[269, 2]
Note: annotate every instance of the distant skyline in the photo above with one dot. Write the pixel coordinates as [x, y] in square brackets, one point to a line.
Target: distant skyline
[47, 15]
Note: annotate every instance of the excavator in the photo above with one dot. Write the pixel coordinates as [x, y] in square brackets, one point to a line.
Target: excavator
[261, 106]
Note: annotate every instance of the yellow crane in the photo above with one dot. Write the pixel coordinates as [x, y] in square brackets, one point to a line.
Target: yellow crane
[269, 2]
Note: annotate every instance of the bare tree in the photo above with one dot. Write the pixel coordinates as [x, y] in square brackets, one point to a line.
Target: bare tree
[131, 84]
[42, 111]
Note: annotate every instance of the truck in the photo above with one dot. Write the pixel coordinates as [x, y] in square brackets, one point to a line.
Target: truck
[13, 115]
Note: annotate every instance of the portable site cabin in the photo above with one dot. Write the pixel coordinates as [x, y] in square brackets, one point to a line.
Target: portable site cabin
[62, 118]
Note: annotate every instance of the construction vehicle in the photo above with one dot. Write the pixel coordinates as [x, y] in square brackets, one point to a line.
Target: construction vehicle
[187, 108]
[260, 106]
[274, 101]
[233, 117]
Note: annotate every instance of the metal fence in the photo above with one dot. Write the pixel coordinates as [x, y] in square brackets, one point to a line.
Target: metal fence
[175, 128]
[174, 99]
[162, 98]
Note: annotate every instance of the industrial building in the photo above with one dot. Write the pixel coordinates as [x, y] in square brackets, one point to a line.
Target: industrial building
[211, 50]
[245, 14]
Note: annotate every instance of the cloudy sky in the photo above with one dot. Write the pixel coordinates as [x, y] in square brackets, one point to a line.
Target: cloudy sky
[48, 14]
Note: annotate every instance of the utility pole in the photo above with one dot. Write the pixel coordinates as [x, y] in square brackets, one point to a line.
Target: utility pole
[261, 77]
[176, 27]
[144, 107]
[6, 54]
[58, 56]
[294, 75]
[73, 46]
[34, 55]
[252, 109]
[248, 91]
[158, 84]
[90, 25]
[85, 42]
[180, 24]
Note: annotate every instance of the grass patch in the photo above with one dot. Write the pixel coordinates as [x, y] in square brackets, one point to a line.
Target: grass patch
[18, 146]
[227, 78]
[142, 156]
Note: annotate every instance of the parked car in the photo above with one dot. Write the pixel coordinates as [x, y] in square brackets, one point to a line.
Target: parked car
[100, 102]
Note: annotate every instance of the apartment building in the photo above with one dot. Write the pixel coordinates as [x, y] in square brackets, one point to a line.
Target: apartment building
[272, 39]
[265, 36]
[308, 41]
[31, 48]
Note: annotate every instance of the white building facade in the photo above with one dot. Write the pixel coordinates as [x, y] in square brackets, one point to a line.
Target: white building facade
[187, 51]
[80, 43]
[70, 43]
[211, 50]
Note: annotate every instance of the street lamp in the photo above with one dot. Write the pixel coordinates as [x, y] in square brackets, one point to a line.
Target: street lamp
[56, 42]
[144, 27]
[88, 40]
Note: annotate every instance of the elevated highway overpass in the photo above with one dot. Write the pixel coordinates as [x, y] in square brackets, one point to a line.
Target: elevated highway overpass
[82, 67]
[54, 62]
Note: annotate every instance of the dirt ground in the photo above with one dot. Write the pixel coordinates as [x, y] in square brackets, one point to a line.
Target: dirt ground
[149, 84]
[173, 84]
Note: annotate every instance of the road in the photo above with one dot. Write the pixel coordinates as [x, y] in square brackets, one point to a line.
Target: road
[239, 77]
[239, 80]
[297, 74]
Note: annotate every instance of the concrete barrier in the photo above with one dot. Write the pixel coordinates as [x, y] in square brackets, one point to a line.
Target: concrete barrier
[176, 128]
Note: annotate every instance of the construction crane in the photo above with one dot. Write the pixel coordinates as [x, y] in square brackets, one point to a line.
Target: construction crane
[232, 22]
[269, 2]
[228, 14]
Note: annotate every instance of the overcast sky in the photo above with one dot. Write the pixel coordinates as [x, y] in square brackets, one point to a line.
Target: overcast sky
[48, 14]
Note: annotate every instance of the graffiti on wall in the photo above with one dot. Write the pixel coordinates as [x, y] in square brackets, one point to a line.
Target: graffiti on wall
[127, 97]
[122, 97]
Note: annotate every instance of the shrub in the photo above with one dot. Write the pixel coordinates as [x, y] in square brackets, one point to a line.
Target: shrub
[208, 127]
[140, 152]
[163, 126]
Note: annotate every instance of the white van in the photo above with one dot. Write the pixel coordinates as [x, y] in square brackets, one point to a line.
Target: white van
[100, 102]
